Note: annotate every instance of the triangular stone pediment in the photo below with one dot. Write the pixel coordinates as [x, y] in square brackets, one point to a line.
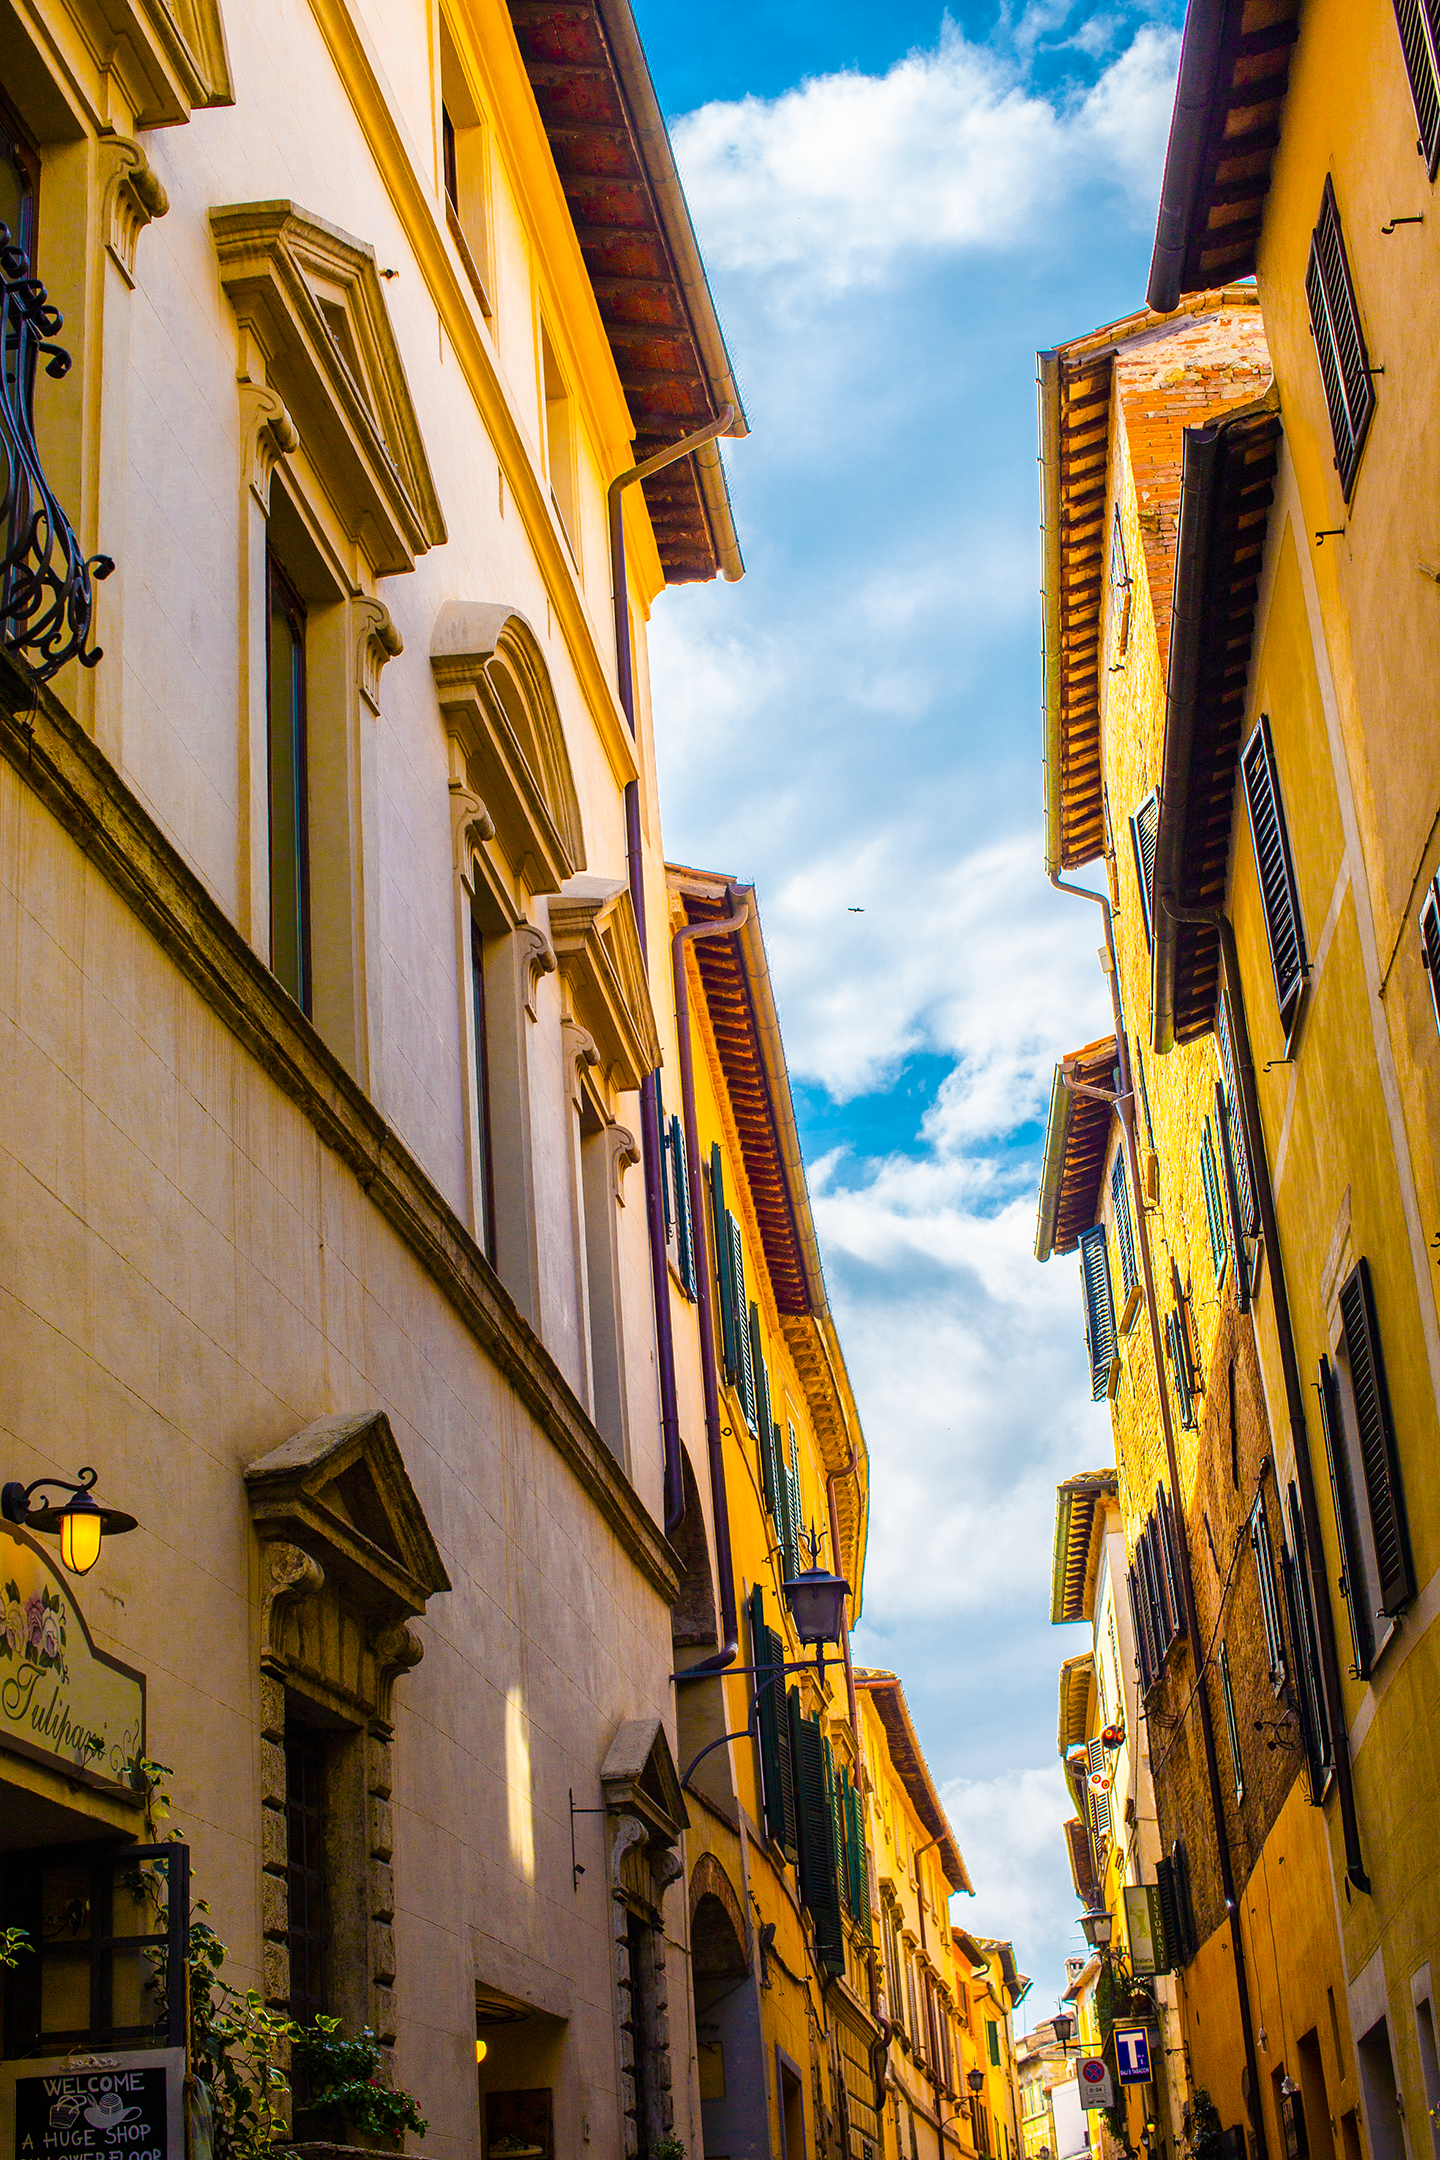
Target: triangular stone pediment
[639, 1778]
[339, 1490]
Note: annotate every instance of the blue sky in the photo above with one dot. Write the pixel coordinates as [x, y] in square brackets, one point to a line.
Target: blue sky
[897, 206]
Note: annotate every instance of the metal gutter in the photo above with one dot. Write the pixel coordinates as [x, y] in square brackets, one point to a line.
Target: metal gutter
[1048, 382]
[1197, 95]
[652, 139]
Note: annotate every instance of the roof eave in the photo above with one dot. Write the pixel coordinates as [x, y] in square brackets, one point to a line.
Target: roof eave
[1049, 414]
[1191, 121]
[1052, 1164]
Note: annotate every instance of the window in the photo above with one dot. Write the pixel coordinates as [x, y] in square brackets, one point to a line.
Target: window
[559, 439]
[1339, 340]
[1099, 1309]
[1214, 1203]
[1180, 1371]
[1233, 1126]
[1269, 1597]
[1120, 590]
[102, 1926]
[679, 1228]
[465, 174]
[1279, 893]
[289, 789]
[1430, 943]
[1177, 1913]
[772, 1724]
[1378, 1576]
[1300, 1617]
[1138, 1061]
[1231, 1725]
[19, 182]
[1124, 1236]
[307, 1886]
[1419, 26]
[1144, 829]
[1156, 1602]
[485, 1178]
[992, 2041]
[1099, 1798]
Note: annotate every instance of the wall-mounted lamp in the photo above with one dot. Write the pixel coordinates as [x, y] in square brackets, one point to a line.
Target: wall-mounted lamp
[81, 1522]
[1063, 2027]
[816, 1600]
[975, 2079]
[1098, 1927]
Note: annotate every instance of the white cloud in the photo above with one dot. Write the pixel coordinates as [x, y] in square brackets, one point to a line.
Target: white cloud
[1009, 1828]
[843, 176]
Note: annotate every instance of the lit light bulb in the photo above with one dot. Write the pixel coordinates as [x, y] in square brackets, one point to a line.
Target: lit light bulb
[80, 1533]
[480, 2051]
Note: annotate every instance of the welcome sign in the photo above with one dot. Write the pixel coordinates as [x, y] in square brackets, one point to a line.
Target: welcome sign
[95, 2107]
[61, 1699]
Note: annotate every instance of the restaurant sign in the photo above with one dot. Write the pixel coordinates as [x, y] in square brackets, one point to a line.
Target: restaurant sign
[61, 1700]
[95, 2107]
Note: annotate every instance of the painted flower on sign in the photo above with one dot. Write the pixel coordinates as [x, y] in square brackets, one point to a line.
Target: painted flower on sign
[33, 1631]
[14, 1625]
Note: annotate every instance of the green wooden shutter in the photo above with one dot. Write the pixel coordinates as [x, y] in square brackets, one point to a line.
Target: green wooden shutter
[684, 1227]
[745, 1327]
[793, 1523]
[1214, 1203]
[1179, 1351]
[1099, 1308]
[1144, 830]
[1235, 1123]
[1232, 1725]
[815, 1825]
[1342, 1494]
[777, 1779]
[1419, 27]
[1278, 890]
[1124, 1225]
[724, 1264]
[1376, 1435]
[1269, 1600]
[1339, 337]
[1169, 1913]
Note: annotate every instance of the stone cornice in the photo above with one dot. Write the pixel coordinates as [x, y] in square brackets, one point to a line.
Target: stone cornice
[57, 760]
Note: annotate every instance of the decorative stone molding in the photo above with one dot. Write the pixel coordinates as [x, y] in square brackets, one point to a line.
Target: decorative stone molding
[169, 54]
[647, 1812]
[496, 697]
[133, 194]
[537, 958]
[578, 1051]
[379, 641]
[267, 433]
[290, 1576]
[624, 1154]
[311, 296]
[592, 925]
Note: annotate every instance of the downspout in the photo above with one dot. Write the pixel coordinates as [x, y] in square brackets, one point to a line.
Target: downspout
[1217, 920]
[704, 1296]
[649, 1094]
[1125, 1107]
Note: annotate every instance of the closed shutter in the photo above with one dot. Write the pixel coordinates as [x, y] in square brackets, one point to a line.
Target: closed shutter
[1099, 1308]
[1169, 1912]
[765, 1422]
[777, 1778]
[665, 1165]
[1300, 1613]
[1278, 891]
[1144, 829]
[1214, 1203]
[1238, 1152]
[793, 1506]
[1137, 1061]
[1139, 1614]
[1430, 943]
[1269, 1596]
[1342, 1494]
[1124, 1226]
[859, 1871]
[744, 1325]
[1376, 1435]
[1339, 340]
[1168, 1534]
[1184, 1907]
[1230, 1185]
[684, 1227]
[815, 1825]
[1419, 25]
[1099, 1801]
[720, 1222]
[1179, 1351]
[1232, 1726]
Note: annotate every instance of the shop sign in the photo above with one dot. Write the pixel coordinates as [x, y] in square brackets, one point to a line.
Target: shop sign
[1144, 1931]
[61, 1699]
[1096, 2089]
[1132, 2054]
[95, 2107]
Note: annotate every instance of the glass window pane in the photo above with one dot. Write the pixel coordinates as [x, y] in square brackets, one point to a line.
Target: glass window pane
[65, 1903]
[65, 1991]
[288, 897]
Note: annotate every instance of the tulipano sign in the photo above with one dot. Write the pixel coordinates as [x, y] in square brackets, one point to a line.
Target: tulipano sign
[61, 1700]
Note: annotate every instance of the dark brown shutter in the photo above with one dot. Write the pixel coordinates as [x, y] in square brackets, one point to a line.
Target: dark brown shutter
[1342, 1493]
[1279, 892]
[1430, 943]
[1339, 340]
[1231, 1182]
[1420, 41]
[1144, 829]
[1376, 1434]
[1140, 1619]
[1300, 1612]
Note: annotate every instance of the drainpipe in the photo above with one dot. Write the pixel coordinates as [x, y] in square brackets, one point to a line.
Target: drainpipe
[1217, 920]
[704, 1296]
[1125, 1107]
[649, 1095]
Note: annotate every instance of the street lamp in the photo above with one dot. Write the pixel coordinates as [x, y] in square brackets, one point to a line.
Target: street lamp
[81, 1522]
[1098, 1927]
[1063, 2027]
[816, 1600]
[975, 2079]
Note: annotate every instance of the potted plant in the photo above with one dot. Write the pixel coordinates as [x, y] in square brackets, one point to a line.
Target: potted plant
[347, 2103]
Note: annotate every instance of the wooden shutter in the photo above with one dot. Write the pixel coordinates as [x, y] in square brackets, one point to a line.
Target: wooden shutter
[791, 1473]
[1419, 25]
[815, 1824]
[1184, 1905]
[859, 1871]
[1279, 892]
[1144, 829]
[1231, 1723]
[1140, 1620]
[684, 1228]
[1124, 1225]
[1339, 340]
[744, 1325]
[1376, 1435]
[724, 1275]
[1214, 1203]
[1230, 1185]
[1234, 1133]
[777, 1781]
[1099, 1308]
[1169, 1911]
[1300, 1614]
[1342, 1494]
[764, 1421]
[1099, 1801]
[1137, 1061]
[1179, 1351]
[1269, 1596]
[1168, 1535]
[1430, 943]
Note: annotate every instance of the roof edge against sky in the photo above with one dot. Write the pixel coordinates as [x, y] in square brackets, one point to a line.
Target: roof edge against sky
[1077, 1134]
[909, 1760]
[1074, 1563]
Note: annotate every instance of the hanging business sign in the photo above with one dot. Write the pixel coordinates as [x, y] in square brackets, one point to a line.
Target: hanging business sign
[61, 1700]
[94, 2107]
[1143, 1930]
[1132, 2054]
[1096, 2088]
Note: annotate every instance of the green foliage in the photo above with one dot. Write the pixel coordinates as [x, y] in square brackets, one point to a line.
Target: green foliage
[344, 2078]
[12, 1942]
[1205, 2127]
[668, 2147]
